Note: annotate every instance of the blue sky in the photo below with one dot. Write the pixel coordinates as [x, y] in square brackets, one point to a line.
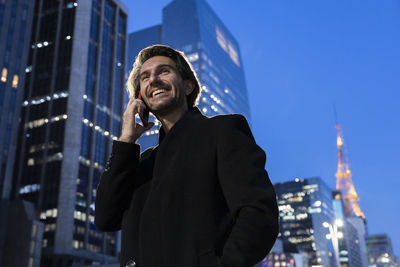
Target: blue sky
[300, 58]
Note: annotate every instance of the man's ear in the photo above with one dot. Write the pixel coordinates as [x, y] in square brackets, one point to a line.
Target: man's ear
[189, 86]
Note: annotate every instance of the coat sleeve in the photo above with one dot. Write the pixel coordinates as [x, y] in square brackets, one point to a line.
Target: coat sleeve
[116, 186]
[249, 194]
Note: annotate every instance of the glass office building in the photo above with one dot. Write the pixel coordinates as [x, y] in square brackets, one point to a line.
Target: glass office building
[71, 113]
[349, 245]
[193, 27]
[380, 251]
[304, 206]
[15, 32]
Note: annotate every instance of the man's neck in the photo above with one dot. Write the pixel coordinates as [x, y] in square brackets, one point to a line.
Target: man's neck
[168, 120]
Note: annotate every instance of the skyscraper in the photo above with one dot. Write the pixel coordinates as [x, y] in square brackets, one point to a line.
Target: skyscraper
[350, 243]
[380, 251]
[305, 205]
[71, 114]
[15, 32]
[193, 27]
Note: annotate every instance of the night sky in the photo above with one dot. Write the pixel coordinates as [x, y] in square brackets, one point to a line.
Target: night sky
[302, 57]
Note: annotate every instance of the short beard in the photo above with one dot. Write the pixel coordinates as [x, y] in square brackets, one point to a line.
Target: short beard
[168, 107]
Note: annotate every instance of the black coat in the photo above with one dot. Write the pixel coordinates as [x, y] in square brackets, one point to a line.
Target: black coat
[200, 199]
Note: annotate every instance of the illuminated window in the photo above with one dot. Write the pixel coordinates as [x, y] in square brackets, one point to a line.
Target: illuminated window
[4, 75]
[221, 39]
[193, 57]
[286, 233]
[301, 216]
[295, 199]
[227, 46]
[214, 77]
[214, 108]
[32, 247]
[34, 229]
[29, 188]
[15, 81]
[233, 54]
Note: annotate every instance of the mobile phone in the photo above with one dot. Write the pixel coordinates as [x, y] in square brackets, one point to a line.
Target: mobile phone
[145, 115]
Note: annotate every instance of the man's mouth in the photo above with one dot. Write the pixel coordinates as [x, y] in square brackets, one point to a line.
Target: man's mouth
[157, 92]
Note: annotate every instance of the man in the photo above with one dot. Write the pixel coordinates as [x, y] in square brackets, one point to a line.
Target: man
[201, 197]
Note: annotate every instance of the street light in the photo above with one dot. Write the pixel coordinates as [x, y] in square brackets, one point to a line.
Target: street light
[334, 235]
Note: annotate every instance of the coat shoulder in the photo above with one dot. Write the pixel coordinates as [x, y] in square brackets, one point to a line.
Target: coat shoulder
[230, 124]
[229, 119]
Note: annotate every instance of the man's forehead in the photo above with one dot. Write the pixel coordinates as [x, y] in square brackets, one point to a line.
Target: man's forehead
[156, 61]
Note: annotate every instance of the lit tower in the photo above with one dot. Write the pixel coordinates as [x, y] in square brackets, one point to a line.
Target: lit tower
[343, 179]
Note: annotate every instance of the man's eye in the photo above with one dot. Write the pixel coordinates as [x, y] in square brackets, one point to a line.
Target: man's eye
[145, 77]
[164, 71]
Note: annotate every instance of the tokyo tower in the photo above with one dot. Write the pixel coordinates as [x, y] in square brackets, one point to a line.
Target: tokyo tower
[343, 179]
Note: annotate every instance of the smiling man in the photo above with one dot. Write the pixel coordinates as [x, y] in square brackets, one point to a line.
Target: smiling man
[201, 197]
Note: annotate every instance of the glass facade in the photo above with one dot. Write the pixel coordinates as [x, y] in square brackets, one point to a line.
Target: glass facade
[44, 110]
[193, 27]
[349, 245]
[380, 251]
[15, 21]
[15, 31]
[304, 206]
[72, 106]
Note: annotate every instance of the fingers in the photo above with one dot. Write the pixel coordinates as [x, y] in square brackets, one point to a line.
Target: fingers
[131, 130]
[135, 106]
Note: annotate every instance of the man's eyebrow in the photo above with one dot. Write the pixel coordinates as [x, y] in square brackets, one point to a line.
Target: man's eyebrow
[158, 67]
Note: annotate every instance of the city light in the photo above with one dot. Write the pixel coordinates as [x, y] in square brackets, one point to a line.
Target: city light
[334, 234]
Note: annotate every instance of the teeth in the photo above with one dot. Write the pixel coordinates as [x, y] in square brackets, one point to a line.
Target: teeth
[156, 92]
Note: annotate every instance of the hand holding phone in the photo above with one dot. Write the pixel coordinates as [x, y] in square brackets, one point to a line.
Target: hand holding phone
[131, 130]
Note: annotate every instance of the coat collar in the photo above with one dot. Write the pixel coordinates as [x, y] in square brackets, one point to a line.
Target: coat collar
[191, 114]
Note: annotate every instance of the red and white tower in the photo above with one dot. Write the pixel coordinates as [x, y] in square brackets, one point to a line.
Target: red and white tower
[344, 182]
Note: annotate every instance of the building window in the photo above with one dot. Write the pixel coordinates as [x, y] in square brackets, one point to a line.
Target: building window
[15, 81]
[32, 247]
[4, 75]
[34, 229]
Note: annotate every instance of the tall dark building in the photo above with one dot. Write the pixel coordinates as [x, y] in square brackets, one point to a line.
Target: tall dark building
[71, 114]
[305, 205]
[193, 27]
[15, 32]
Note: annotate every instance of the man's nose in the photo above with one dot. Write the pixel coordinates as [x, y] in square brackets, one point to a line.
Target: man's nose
[154, 78]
